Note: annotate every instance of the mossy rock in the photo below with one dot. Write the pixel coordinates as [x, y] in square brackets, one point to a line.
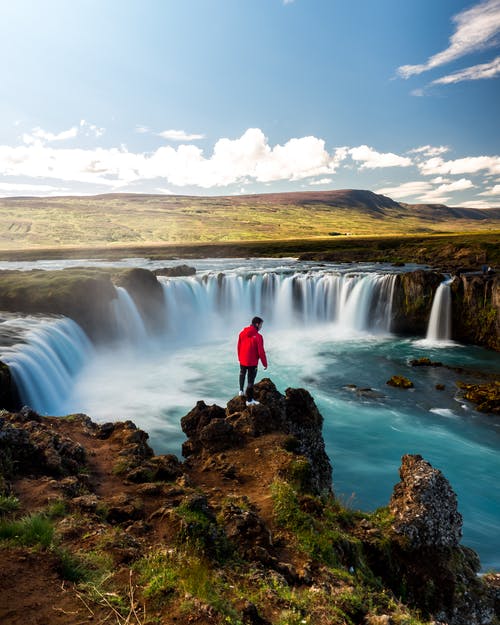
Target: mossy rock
[486, 397]
[399, 381]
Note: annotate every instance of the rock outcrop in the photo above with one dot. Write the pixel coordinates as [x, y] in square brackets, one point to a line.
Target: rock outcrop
[476, 310]
[423, 560]
[412, 303]
[85, 295]
[249, 513]
[424, 507]
[211, 429]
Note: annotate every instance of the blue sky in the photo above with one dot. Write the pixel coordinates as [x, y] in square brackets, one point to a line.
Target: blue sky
[221, 97]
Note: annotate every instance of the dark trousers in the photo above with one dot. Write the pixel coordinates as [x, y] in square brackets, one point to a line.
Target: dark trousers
[252, 372]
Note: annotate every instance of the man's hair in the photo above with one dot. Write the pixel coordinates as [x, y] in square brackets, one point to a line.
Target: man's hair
[256, 321]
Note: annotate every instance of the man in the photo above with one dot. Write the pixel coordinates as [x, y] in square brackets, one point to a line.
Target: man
[250, 350]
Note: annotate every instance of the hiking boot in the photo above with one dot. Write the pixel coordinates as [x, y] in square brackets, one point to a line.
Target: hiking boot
[241, 393]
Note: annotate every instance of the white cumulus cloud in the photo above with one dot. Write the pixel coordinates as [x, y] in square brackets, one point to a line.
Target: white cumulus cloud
[371, 159]
[476, 28]
[249, 157]
[494, 191]
[437, 166]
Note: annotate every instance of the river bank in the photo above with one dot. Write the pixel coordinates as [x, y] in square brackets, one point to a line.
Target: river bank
[444, 252]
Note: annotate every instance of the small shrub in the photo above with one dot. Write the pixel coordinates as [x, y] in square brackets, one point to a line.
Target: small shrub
[57, 509]
[71, 567]
[8, 504]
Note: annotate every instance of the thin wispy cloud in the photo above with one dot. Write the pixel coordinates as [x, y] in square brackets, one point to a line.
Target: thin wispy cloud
[41, 136]
[180, 135]
[406, 190]
[430, 150]
[482, 71]
[476, 29]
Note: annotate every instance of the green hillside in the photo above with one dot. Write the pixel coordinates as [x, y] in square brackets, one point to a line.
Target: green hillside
[110, 220]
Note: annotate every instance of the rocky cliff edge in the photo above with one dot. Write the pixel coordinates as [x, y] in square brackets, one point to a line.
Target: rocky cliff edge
[97, 528]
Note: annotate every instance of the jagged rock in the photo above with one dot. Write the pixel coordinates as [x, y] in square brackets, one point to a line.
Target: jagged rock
[424, 362]
[210, 429]
[486, 397]
[9, 397]
[30, 446]
[132, 441]
[247, 531]
[122, 509]
[424, 506]
[88, 503]
[399, 381]
[207, 430]
[423, 558]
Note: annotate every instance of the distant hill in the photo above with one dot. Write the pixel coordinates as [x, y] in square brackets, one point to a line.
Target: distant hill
[127, 218]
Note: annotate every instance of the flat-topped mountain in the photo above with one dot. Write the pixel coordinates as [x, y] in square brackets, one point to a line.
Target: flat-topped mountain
[144, 219]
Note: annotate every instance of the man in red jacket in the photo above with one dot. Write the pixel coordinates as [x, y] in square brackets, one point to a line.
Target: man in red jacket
[250, 350]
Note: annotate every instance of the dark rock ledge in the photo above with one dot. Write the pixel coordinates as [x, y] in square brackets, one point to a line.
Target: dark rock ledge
[253, 502]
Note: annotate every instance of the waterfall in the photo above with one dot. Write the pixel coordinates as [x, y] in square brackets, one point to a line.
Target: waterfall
[213, 305]
[439, 328]
[46, 362]
[128, 322]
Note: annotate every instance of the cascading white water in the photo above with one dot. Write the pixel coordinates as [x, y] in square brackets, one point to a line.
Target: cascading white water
[198, 310]
[128, 322]
[439, 328]
[45, 364]
[216, 304]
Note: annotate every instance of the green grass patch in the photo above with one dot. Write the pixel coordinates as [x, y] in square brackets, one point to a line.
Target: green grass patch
[30, 530]
[8, 504]
[169, 576]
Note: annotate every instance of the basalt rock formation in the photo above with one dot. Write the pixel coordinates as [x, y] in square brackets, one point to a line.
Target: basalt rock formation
[210, 429]
[84, 295]
[475, 306]
[426, 561]
[476, 310]
[412, 303]
[245, 530]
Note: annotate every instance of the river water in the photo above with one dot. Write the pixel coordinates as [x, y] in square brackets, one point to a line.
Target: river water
[327, 329]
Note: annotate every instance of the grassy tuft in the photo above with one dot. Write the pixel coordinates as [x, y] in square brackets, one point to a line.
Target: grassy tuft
[8, 504]
[31, 530]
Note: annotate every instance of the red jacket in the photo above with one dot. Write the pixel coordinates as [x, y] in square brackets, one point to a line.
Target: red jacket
[251, 347]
